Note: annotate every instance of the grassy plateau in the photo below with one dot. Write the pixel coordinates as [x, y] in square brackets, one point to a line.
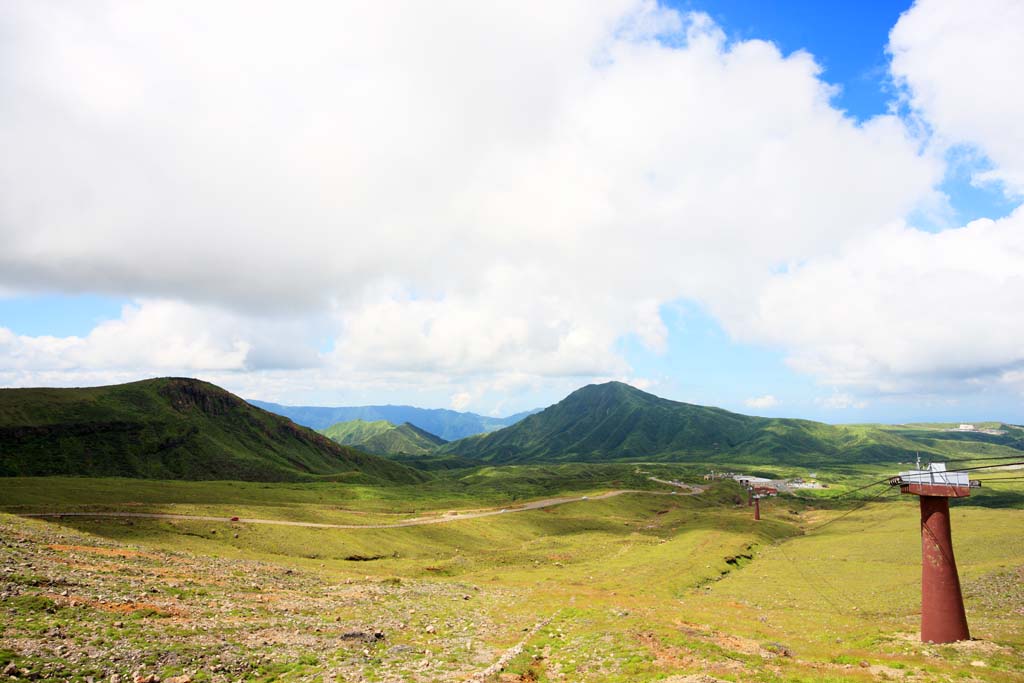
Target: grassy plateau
[651, 585]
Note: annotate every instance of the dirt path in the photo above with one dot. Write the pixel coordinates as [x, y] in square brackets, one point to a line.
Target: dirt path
[533, 505]
[691, 490]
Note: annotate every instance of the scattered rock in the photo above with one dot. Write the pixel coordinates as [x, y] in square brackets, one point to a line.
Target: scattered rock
[115, 678]
[431, 629]
[11, 670]
[184, 678]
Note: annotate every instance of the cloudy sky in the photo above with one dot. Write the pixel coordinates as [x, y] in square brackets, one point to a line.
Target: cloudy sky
[811, 210]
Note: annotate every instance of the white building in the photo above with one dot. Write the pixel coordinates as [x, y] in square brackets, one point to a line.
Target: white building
[748, 480]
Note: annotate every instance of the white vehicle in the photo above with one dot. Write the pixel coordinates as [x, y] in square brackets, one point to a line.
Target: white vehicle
[585, 498]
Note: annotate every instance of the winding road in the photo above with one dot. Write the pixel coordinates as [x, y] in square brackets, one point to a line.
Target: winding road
[418, 521]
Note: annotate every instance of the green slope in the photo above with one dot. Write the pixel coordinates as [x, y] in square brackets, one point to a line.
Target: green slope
[355, 432]
[615, 421]
[169, 428]
[384, 438]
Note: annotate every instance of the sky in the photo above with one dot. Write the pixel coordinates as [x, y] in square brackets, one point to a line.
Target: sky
[797, 208]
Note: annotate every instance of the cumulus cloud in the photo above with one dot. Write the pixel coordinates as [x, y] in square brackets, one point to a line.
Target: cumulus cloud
[960, 63]
[461, 400]
[161, 337]
[898, 310]
[841, 401]
[488, 197]
[458, 189]
[766, 401]
[904, 310]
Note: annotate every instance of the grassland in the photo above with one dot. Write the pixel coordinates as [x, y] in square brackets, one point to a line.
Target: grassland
[633, 588]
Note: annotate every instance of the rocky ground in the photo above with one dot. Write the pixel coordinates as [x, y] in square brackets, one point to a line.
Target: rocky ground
[77, 608]
[80, 607]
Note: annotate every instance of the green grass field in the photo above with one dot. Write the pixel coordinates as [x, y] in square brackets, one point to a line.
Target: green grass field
[637, 587]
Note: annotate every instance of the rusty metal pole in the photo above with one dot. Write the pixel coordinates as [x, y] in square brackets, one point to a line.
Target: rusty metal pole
[750, 497]
[943, 619]
[757, 508]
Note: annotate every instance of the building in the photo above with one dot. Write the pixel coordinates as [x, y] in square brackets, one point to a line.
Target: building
[750, 480]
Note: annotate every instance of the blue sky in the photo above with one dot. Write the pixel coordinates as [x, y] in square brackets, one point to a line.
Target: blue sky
[303, 250]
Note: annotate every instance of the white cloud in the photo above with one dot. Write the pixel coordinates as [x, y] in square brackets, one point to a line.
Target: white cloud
[766, 401]
[841, 401]
[156, 336]
[467, 191]
[461, 400]
[903, 310]
[960, 61]
[896, 310]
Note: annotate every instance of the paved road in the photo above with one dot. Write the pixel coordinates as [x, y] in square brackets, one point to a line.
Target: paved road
[533, 505]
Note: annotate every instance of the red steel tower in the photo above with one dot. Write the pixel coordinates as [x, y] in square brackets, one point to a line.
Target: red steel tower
[943, 619]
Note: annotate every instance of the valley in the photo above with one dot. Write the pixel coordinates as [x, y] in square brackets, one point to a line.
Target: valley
[624, 569]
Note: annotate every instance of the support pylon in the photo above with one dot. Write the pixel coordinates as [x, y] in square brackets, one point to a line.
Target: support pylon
[757, 507]
[943, 619]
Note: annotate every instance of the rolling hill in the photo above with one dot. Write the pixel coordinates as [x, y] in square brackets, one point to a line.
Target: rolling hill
[170, 428]
[383, 438]
[447, 424]
[614, 421]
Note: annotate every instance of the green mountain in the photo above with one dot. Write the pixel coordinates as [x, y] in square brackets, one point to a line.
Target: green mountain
[384, 438]
[355, 432]
[615, 421]
[448, 424]
[170, 428]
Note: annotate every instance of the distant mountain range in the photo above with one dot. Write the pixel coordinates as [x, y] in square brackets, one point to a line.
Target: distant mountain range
[383, 438]
[179, 428]
[447, 424]
[614, 421]
[170, 428]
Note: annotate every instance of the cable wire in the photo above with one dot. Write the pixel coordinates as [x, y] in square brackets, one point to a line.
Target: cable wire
[1001, 457]
[985, 467]
[864, 502]
[846, 493]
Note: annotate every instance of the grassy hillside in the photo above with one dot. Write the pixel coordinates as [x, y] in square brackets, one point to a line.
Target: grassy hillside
[447, 424]
[641, 587]
[384, 438]
[355, 432]
[615, 421]
[169, 428]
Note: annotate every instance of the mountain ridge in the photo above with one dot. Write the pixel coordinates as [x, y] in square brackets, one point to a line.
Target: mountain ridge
[383, 438]
[614, 421]
[450, 425]
[169, 428]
